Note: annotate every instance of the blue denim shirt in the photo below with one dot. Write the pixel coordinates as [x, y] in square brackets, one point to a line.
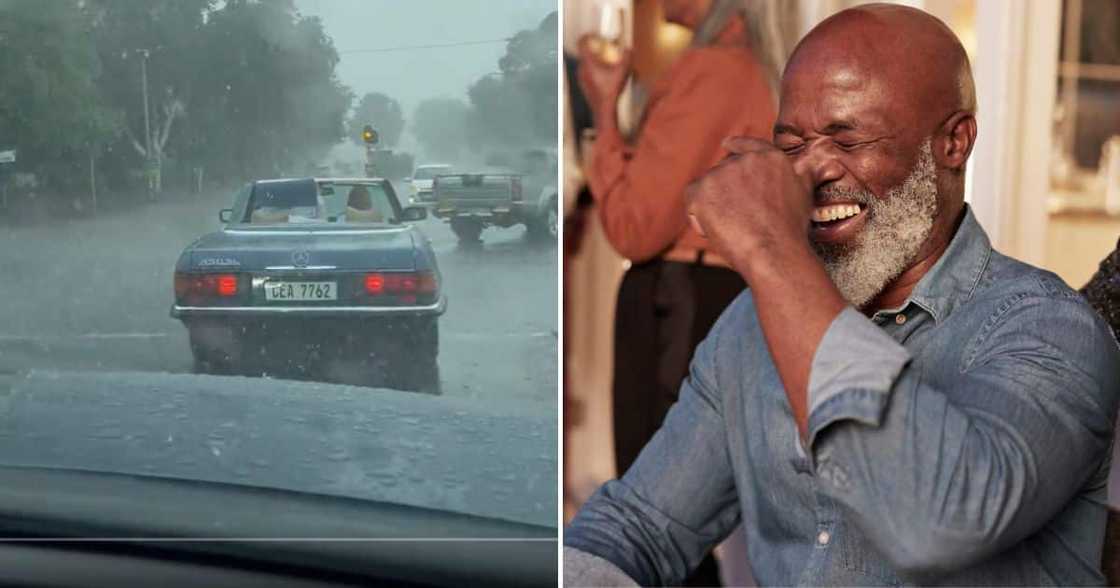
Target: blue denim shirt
[963, 438]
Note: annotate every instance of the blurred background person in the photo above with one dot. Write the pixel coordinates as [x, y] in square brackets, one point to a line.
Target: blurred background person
[724, 84]
[1103, 293]
[1103, 290]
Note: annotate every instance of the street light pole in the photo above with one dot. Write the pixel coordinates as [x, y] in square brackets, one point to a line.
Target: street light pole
[149, 161]
[144, 90]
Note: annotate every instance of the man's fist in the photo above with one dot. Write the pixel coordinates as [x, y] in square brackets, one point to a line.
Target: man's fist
[751, 201]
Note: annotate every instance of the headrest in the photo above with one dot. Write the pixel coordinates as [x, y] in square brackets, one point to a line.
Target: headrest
[354, 215]
[269, 216]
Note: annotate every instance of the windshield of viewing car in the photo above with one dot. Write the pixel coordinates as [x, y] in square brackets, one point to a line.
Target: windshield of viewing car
[188, 194]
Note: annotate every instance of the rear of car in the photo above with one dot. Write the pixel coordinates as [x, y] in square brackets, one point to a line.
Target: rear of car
[316, 278]
[421, 183]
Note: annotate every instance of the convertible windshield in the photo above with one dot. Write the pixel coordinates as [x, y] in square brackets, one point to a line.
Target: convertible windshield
[311, 201]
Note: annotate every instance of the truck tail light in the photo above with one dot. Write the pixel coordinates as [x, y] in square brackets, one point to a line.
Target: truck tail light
[193, 288]
[515, 189]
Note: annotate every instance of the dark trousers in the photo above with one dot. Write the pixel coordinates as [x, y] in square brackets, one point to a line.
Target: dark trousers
[664, 310]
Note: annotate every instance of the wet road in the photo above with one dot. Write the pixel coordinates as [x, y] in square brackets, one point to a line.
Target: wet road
[94, 294]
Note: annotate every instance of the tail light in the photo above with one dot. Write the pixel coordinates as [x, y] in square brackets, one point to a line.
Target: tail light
[194, 288]
[375, 284]
[404, 287]
[515, 189]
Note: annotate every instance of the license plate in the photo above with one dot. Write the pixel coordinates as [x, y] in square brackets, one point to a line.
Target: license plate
[301, 291]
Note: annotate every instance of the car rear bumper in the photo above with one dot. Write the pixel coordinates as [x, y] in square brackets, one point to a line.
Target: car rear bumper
[484, 209]
[188, 312]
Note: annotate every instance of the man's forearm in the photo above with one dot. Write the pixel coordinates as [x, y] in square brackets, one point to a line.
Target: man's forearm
[796, 302]
[584, 569]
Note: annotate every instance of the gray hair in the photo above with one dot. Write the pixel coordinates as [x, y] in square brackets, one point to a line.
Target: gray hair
[771, 30]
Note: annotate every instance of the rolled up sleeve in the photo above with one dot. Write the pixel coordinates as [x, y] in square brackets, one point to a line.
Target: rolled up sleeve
[944, 466]
[853, 372]
[677, 500]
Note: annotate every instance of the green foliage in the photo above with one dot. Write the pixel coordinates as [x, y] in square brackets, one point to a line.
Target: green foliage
[440, 126]
[242, 88]
[519, 106]
[508, 110]
[270, 101]
[49, 109]
[381, 112]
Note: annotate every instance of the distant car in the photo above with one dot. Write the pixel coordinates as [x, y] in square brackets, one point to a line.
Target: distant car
[314, 275]
[421, 182]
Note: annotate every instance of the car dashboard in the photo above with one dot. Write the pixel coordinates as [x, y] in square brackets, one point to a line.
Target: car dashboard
[64, 528]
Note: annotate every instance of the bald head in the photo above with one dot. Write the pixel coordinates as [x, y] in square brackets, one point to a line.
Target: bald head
[903, 47]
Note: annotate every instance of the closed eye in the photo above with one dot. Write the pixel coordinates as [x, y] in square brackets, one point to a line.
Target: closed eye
[851, 145]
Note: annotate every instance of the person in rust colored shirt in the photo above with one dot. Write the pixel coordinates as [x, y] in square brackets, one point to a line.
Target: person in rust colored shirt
[674, 290]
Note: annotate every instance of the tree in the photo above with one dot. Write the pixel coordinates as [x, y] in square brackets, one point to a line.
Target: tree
[440, 126]
[517, 106]
[383, 113]
[150, 48]
[49, 107]
[245, 88]
[271, 103]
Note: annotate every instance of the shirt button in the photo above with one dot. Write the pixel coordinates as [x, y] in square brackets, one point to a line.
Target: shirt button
[900, 319]
[823, 538]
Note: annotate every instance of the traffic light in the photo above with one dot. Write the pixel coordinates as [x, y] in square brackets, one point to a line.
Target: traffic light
[369, 135]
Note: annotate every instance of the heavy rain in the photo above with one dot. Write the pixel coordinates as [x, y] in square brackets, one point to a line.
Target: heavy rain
[134, 139]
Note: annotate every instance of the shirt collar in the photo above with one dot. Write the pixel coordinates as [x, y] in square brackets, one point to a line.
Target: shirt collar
[954, 277]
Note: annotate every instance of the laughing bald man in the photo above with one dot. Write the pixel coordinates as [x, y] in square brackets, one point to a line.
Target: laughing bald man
[892, 401]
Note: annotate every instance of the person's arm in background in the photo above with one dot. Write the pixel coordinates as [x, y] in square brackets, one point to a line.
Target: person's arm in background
[1103, 293]
[676, 501]
[1103, 290]
[640, 189]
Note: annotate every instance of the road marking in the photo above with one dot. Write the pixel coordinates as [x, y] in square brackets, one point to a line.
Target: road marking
[36, 338]
[459, 336]
[507, 335]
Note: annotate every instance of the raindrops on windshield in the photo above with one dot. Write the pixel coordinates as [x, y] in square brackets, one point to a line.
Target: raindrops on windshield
[211, 204]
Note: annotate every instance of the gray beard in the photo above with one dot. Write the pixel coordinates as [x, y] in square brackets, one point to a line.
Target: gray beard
[897, 227]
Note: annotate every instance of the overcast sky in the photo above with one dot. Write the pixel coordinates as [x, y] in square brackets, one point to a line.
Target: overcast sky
[413, 75]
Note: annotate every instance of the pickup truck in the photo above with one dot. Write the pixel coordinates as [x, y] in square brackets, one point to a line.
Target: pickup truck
[471, 202]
